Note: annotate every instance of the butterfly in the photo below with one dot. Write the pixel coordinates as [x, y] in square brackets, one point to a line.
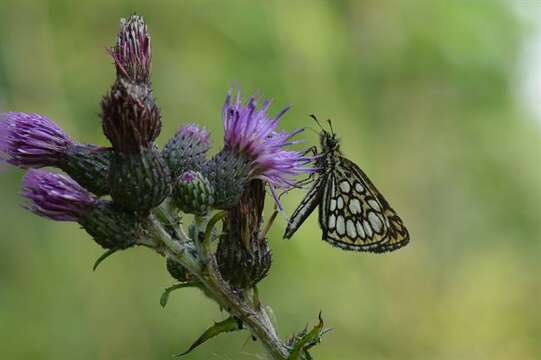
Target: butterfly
[353, 214]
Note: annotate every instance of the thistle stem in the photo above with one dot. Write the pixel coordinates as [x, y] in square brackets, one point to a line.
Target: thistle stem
[255, 318]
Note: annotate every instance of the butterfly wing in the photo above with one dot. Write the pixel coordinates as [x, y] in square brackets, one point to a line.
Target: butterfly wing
[355, 216]
[306, 207]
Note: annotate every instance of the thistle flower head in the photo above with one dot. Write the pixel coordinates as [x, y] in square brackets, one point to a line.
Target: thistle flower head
[56, 196]
[132, 52]
[31, 140]
[251, 132]
[253, 149]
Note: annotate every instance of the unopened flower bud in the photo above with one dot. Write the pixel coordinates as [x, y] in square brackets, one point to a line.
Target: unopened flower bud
[227, 172]
[192, 193]
[187, 149]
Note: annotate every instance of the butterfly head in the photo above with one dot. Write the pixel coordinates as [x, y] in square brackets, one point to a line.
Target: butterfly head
[327, 138]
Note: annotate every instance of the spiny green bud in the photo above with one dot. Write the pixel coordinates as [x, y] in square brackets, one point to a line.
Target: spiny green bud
[111, 227]
[187, 149]
[192, 193]
[227, 172]
[139, 181]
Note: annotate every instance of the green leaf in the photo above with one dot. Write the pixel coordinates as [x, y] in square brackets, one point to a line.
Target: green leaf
[165, 295]
[228, 325]
[306, 340]
[102, 257]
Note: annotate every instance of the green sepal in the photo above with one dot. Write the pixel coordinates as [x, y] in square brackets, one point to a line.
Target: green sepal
[111, 227]
[139, 181]
[165, 295]
[228, 325]
[89, 166]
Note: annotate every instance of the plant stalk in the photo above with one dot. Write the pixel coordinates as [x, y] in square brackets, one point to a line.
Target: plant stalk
[255, 318]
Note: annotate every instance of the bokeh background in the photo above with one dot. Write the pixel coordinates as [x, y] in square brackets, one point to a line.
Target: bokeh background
[437, 101]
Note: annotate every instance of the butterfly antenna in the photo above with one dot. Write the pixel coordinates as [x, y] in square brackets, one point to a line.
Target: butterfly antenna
[317, 121]
[330, 126]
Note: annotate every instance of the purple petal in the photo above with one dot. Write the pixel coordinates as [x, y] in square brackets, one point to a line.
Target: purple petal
[31, 140]
[56, 196]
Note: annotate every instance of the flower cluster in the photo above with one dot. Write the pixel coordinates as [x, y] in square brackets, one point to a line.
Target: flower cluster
[139, 177]
[133, 193]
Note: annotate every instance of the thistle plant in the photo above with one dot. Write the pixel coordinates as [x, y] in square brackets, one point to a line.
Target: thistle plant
[131, 193]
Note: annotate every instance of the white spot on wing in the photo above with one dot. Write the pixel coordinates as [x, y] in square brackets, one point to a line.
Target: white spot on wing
[340, 225]
[360, 229]
[340, 202]
[376, 222]
[374, 204]
[332, 222]
[358, 187]
[355, 206]
[333, 204]
[345, 187]
[350, 226]
[367, 229]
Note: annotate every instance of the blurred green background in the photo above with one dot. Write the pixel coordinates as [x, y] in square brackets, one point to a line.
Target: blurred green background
[426, 97]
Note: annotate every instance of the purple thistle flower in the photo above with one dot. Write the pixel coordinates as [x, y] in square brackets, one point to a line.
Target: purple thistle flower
[251, 132]
[253, 149]
[56, 196]
[132, 52]
[31, 140]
